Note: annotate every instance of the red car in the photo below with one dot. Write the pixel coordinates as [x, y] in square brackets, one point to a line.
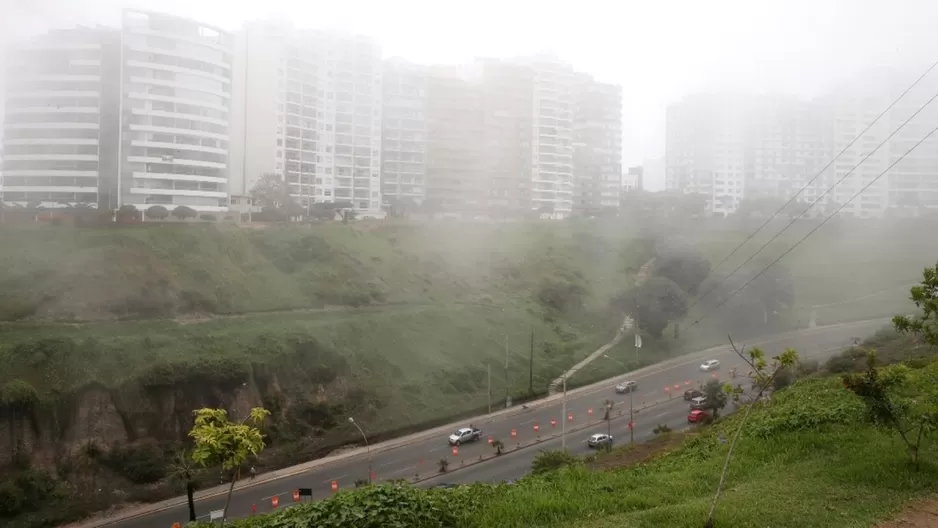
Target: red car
[697, 415]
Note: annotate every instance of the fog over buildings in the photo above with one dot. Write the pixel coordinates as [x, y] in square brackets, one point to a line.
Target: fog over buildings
[193, 106]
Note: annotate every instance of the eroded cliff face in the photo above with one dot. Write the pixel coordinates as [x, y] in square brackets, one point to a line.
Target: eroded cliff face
[111, 418]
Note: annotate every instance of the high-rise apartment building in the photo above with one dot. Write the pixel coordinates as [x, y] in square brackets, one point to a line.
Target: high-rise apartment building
[308, 106]
[176, 88]
[552, 137]
[404, 133]
[597, 145]
[136, 116]
[455, 140]
[58, 144]
[705, 148]
[508, 117]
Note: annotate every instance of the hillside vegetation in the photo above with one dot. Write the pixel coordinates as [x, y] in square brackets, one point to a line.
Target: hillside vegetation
[808, 458]
[112, 336]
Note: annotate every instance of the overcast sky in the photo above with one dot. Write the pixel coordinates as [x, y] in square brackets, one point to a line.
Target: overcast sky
[657, 50]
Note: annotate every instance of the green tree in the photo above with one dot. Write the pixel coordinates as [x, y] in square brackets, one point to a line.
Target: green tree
[272, 191]
[219, 441]
[127, 212]
[183, 470]
[716, 396]
[925, 297]
[607, 415]
[498, 445]
[897, 400]
[653, 304]
[156, 212]
[686, 267]
[183, 212]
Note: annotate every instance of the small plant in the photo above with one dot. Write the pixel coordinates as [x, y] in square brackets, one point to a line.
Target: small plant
[444, 465]
[661, 429]
[498, 446]
[552, 460]
[360, 483]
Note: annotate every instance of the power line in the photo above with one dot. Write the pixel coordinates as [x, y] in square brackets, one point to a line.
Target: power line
[825, 193]
[812, 180]
[854, 197]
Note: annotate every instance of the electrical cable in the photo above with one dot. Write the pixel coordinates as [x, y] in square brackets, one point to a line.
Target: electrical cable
[811, 181]
[832, 215]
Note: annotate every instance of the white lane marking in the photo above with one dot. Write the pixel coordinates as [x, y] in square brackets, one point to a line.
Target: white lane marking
[272, 496]
[527, 422]
[327, 481]
[435, 449]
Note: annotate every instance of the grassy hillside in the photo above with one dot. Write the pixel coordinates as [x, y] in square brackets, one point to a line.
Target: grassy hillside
[806, 459]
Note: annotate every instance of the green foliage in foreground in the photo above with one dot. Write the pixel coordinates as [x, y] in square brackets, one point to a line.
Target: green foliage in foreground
[810, 450]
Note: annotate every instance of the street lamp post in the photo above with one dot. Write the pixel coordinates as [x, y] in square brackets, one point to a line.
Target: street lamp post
[367, 445]
[563, 416]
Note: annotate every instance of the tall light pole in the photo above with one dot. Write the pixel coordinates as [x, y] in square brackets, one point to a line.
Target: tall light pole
[631, 409]
[367, 445]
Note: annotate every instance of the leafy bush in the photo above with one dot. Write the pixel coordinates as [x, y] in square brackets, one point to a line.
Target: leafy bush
[661, 429]
[808, 367]
[552, 460]
[156, 212]
[182, 212]
[207, 217]
[848, 361]
[784, 378]
[822, 401]
[141, 463]
[27, 491]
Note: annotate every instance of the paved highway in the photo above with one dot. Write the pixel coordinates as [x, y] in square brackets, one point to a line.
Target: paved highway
[658, 400]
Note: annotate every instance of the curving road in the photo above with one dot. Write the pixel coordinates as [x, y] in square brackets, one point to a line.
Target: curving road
[657, 401]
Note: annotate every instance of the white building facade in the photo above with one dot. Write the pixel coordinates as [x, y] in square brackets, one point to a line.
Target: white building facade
[308, 107]
[53, 132]
[176, 101]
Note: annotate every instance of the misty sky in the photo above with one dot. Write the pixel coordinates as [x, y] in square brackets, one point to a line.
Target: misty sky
[658, 51]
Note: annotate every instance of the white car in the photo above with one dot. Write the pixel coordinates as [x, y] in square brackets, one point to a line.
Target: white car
[626, 386]
[599, 439]
[710, 364]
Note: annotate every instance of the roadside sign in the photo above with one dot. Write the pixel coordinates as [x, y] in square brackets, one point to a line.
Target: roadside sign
[214, 515]
[306, 492]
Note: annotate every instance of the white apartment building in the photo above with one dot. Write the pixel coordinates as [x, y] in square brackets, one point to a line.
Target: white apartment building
[597, 145]
[176, 87]
[308, 106]
[552, 141]
[706, 148]
[52, 137]
[404, 133]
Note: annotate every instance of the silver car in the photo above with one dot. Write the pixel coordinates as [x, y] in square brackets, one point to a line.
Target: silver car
[626, 386]
[710, 364]
[599, 439]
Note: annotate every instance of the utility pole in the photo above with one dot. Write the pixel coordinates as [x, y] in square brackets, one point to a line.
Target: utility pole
[506, 371]
[563, 416]
[631, 423]
[531, 366]
[488, 368]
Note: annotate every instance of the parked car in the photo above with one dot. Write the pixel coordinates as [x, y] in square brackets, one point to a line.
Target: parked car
[690, 394]
[626, 386]
[699, 402]
[710, 364]
[465, 435]
[697, 415]
[599, 439]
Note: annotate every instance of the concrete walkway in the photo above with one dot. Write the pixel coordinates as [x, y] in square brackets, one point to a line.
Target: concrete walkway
[627, 325]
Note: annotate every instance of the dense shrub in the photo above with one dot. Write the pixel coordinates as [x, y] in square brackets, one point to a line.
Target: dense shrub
[27, 491]
[552, 460]
[141, 462]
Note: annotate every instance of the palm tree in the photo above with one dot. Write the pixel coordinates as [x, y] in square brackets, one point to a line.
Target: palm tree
[183, 470]
[498, 446]
[608, 404]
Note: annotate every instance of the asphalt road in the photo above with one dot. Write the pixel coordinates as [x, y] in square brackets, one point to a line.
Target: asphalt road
[658, 400]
